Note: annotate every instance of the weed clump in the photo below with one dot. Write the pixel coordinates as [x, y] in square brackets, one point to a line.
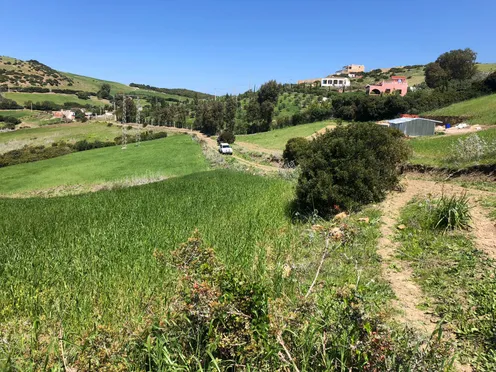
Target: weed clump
[219, 320]
[471, 148]
[450, 213]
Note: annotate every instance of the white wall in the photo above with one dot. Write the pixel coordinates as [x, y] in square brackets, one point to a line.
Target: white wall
[335, 82]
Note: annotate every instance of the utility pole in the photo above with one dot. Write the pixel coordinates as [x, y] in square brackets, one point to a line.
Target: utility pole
[123, 122]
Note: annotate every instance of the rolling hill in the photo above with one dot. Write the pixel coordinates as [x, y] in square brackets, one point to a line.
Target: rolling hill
[480, 110]
[15, 73]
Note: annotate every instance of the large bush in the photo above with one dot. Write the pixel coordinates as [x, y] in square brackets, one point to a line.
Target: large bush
[349, 167]
[295, 150]
[227, 137]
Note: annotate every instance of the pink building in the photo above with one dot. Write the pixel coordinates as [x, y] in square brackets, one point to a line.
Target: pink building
[397, 85]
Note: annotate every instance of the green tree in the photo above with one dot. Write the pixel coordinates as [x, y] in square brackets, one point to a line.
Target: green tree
[269, 91]
[295, 150]
[266, 114]
[104, 92]
[459, 64]
[230, 113]
[435, 75]
[490, 82]
[350, 166]
[80, 116]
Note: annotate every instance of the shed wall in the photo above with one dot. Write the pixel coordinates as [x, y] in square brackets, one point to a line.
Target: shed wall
[416, 127]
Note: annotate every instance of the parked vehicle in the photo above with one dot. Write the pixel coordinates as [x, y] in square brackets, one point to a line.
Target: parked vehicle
[225, 149]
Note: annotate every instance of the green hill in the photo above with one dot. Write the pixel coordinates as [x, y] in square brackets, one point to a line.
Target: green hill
[158, 159]
[480, 110]
[15, 73]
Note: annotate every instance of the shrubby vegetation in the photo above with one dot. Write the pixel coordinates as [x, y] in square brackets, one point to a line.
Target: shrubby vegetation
[348, 167]
[471, 149]
[227, 137]
[8, 104]
[179, 92]
[296, 149]
[10, 121]
[220, 320]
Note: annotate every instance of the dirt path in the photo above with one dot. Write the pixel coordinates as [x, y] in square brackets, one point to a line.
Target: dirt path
[321, 131]
[400, 275]
[213, 144]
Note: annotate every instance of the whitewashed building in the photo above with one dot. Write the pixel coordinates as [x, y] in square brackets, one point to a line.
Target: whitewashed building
[335, 81]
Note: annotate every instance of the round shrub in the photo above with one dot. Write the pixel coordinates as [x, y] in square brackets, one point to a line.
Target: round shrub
[295, 150]
[349, 167]
[227, 137]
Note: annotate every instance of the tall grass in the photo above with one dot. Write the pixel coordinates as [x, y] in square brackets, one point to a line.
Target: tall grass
[80, 283]
[450, 213]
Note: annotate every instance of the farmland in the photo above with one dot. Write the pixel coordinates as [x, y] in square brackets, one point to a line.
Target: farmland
[22, 98]
[158, 159]
[46, 135]
[103, 283]
[276, 139]
[478, 110]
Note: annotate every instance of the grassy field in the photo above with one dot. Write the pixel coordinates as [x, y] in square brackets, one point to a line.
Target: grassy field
[90, 84]
[486, 67]
[434, 150]
[169, 157]
[22, 98]
[46, 135]
[85, 267]
[480, 110]
[276, 139]
[16, 113]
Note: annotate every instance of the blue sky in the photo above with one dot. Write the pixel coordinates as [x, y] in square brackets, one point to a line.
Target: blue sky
[228, 45]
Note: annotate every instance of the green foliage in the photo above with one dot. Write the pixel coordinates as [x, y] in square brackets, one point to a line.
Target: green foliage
[295, 150]
[269, 91]
[10, 121]
[179, 92]
[350, 166]
[435, 75]
[227, 137]
[448, 212]
[490, 81]
[80, 116]
[104, 92]
[83, 95]
[6, 104]
[458, 64]
[219, 318]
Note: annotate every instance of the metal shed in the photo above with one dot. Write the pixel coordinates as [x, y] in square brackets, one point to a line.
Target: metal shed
[415, 126]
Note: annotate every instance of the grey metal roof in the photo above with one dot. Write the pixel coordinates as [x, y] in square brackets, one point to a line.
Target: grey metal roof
[405, 120]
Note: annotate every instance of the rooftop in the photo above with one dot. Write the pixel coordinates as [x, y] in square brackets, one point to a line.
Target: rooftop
[405, 120]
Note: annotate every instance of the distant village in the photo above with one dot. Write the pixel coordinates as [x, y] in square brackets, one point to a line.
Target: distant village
[341, 80]
[70, 115]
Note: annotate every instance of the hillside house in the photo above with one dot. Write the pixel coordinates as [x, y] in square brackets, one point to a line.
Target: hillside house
[397, 85]
[335, 81]
[352, 70]
[64, 114]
